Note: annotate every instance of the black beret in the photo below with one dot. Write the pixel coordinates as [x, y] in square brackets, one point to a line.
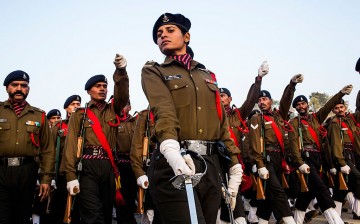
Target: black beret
[71, 99]
[357, 66]
[167, 18]
[299, 99]
[16, 76]
[93, 80]
[53, 112]
[341, 101]
[225, 90]
[264, 93]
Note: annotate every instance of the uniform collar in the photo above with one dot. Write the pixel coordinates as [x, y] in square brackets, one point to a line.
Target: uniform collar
[193, 64]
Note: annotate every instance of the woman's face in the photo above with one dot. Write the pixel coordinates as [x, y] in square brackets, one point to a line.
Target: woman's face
[171, 41]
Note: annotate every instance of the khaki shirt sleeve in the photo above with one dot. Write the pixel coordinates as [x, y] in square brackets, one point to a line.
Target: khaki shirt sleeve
[323, 112]
[254, 143]
[286, 100]
[335, 142]
[161, 103]
[251, 98]
[47, 156]
[121, 90]
[137, 145]
[294, 143]
[69, 155]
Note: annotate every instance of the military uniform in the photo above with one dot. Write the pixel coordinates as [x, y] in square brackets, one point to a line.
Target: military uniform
[185, 108]
[22, 139]
[97, 184]
[276, 198]
[125, 214]
[311, 154]
[345, 151]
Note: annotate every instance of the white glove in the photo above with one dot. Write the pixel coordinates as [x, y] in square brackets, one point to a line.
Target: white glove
[345, 169]
[53, 184]
[304, 168]
[143, 181]
[263, 69]
[254, 169]
[263, 173]
[37, 183]
[333, 171]
[347, 89]
[297, 78]
[120, 61]
[170, 148]
[71, 185]
[235, 178]
[150, 215]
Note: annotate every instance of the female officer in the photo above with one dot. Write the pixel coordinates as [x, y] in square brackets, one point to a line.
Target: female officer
[188, 114]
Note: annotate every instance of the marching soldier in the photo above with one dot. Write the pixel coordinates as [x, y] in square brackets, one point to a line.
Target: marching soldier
[142, 147]
[125, 214]
[97, 125]
[53, 116]
[344, 145]
[24, 137]
[238, 129]
[267, 148]
[58, 201]
[186, 103]
[305, 152]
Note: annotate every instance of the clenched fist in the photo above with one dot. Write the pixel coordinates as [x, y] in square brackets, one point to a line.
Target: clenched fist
[120, 61]
[297, 78]
[263, 69]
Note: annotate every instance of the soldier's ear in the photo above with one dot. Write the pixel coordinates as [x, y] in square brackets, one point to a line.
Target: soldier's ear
[187, 37]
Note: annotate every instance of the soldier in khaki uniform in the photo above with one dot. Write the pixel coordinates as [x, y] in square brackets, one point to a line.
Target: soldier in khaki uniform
[186, 103]
[24, 136]
[344, 144]
[125, 214]
[238, 130]
[270, 126]
[306, 155]
[53, 116]
[59, 131]
[97, 170]
[144, 129]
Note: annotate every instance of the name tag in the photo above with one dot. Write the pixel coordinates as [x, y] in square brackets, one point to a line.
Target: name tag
[3, 120]
[172, 77]
[33, 123]
[344, 129]
[268, 122]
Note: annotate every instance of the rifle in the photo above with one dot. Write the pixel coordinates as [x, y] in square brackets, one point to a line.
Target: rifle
[80, 140]
[330, 179]
[253, 180]
[260, 195]
[303, 183]
[69, 207]
[145, 159]
[342, 182]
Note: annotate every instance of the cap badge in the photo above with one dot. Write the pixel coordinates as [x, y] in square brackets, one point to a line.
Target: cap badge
[77, 98]
[24, 76]
[165, 19]
[264, 94]
[301, 99]
[105, 79]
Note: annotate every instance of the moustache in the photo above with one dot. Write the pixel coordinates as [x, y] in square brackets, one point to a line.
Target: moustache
[17, 92]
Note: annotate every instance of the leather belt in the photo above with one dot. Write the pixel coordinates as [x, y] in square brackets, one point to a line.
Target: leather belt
[199, 146]
[272, 148]
[15, 161]
[311, 148]
[348, 146]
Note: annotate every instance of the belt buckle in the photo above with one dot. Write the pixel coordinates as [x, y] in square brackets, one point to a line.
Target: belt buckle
[95, 152]
[197, 147]
[13, 161]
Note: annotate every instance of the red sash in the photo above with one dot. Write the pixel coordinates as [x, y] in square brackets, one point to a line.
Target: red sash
[344, 125]
[246, 129]
[312, 133]
[277, 131]
[96, 126]
[63, 126]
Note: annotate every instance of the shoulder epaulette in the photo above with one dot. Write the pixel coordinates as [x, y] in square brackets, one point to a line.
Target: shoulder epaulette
[150, 63]
[38, 109]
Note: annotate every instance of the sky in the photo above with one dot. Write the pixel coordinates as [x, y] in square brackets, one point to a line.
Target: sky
[61, 44]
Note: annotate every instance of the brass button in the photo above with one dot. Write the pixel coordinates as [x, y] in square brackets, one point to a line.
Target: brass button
[176, 86]
[17, 130]
[199, 108]
[0, 128]
[17, 143]
[200, 130]
[197, 88]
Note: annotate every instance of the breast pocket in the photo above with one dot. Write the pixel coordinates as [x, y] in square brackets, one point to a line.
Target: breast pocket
[179, 91]
[4, 131]
[121, 129]
[33, 134]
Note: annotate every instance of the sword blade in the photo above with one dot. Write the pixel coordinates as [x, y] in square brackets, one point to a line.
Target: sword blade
[191, 200]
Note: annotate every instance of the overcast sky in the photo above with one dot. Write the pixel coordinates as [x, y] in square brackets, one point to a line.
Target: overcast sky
[61, 44]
